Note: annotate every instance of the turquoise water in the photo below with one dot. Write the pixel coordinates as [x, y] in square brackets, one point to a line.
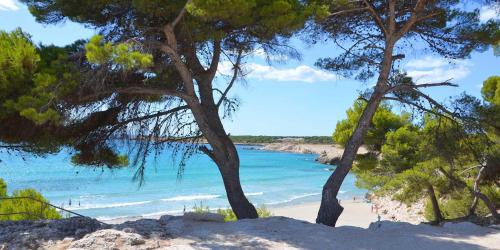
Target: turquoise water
[269, 178]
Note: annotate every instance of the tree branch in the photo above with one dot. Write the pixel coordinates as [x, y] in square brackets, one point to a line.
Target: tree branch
[419, 6]
[212, 70]
[342, 12]
[180, 15]
[377, 18]
[236, 69]
[424, 85]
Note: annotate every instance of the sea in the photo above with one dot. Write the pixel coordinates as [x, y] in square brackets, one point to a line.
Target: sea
[268, 178]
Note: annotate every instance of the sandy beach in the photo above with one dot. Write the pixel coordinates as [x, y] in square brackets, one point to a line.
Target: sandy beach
[355, 213]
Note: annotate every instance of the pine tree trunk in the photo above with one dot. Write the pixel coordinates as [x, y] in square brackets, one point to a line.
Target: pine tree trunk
[330, 209]
[435, 205]
[476, 192]
[223, 152]
[242, 208]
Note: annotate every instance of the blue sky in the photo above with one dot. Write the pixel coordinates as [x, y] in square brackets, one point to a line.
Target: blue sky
[294, 97]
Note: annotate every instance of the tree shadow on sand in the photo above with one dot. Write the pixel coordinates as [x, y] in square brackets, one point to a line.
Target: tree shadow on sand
[268, 233]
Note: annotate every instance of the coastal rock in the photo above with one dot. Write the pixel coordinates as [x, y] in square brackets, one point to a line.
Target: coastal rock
[268, 233]
[108, 239]
[328, 153]
[29, 234]
[164, 219]
[212, 217]
[325, 159]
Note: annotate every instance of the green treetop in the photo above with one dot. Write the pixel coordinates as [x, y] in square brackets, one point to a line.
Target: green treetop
[384, 121]
[29, 206]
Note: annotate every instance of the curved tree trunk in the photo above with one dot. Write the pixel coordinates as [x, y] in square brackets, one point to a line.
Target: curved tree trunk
[435, 205]
[475, 191]
[242, 208]
[478, 195]
[330, 209]
[222, 152]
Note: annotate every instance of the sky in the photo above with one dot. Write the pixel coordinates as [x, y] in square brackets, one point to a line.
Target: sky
[293, 97]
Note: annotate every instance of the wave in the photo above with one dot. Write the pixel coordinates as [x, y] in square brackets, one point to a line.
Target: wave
[294, 198]
[192, 197]
[169, 212]
[254, 194]
[98, 206]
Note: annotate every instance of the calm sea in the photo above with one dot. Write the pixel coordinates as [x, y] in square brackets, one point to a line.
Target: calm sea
[268, 178]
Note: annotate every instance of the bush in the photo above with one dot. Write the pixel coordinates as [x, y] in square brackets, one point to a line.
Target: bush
[228, 213]
[25, 209]
[458, 205]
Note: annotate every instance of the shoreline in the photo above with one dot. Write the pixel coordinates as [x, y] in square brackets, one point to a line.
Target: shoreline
[356, 213]
[328, 154]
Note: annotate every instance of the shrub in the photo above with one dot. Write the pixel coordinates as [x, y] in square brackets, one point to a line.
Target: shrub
[228, 213]
[25, 209]
[458, 205]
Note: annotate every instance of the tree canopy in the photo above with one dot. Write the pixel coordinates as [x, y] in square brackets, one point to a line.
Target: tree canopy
[374, 37]
[148, 77]
[383, 121]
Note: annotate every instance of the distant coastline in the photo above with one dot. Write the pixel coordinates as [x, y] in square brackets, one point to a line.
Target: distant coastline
[328, 154]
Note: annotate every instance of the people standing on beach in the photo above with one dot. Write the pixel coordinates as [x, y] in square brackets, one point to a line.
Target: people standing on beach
[69, 202]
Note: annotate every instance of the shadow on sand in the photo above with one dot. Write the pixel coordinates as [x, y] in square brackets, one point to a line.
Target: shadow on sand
[269, 233]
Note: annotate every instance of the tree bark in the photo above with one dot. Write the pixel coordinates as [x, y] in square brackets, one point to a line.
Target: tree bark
[330, 209]
[223, 151]
[478, 195]
[206, 113]
[475, 191]
[435, 205]
[226, 157]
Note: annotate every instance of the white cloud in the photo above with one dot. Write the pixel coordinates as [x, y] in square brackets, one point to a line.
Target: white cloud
[489, 12]
[260, 53]
[302, 73]
[432, 69]
[8, 5]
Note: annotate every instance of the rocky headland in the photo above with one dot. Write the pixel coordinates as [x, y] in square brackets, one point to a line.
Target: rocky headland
[327, 153]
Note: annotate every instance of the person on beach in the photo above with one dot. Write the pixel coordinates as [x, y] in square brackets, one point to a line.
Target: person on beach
[379, 223]
[69, 202]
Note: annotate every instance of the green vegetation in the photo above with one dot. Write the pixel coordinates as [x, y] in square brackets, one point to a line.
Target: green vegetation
[27, 208]
[32, 77]
[438, 157]
[151, 74]
[383, 121]
[228, 213]
[151, 71]
[256, 139]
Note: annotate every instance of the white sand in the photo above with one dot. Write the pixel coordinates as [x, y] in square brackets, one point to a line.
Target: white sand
[355, 230]
[356, 214]
[286, 233]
